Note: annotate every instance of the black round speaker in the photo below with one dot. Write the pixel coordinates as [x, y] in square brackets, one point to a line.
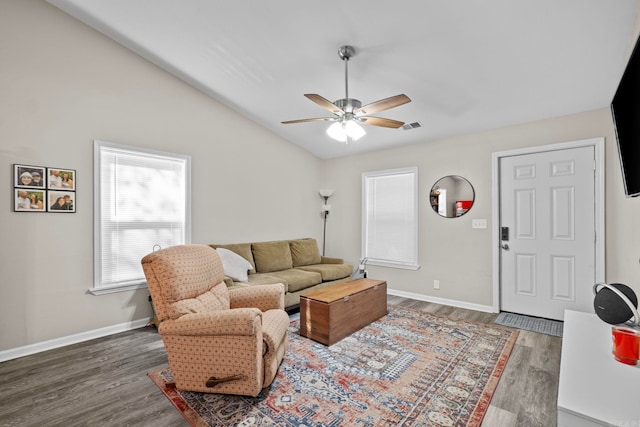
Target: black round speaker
[615, 303]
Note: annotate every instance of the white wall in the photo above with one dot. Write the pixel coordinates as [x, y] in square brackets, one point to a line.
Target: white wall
[62, 85]
[449, 249]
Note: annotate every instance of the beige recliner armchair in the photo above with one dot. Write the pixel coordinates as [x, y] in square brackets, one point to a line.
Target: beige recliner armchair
[218, 340]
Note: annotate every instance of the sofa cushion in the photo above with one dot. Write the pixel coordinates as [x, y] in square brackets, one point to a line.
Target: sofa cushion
[329, 271]
[297, 279]
[271, 256]
[234, 265]
[304, 252]
[266, 279]
[242, 249]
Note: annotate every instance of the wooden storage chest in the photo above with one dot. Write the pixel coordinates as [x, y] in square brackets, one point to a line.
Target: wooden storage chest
[331, 314]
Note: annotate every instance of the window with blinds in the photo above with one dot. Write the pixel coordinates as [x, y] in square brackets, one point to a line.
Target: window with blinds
[390, 218]
[142, 203]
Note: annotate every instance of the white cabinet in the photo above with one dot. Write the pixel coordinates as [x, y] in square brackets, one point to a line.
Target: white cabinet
[594, 389]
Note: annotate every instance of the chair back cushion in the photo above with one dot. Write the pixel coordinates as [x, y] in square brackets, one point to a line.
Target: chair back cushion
[185, 279]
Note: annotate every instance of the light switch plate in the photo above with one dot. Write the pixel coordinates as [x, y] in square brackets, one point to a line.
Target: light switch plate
[479, 223]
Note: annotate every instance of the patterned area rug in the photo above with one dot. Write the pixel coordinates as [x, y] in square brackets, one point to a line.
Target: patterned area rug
[529, 323]
[410, 368]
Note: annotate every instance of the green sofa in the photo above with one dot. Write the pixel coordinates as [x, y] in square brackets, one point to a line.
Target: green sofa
[295, 263]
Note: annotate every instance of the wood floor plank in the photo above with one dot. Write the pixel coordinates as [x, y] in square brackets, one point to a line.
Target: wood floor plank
[511, 386]
[547, 354]
[496, 417]
[538, 402]
[103, 382]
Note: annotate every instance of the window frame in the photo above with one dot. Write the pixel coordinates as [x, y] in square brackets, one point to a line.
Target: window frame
[100, 147]
[407, 264]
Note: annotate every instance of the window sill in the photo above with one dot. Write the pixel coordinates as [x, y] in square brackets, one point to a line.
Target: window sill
[103, 290]
[393, 265]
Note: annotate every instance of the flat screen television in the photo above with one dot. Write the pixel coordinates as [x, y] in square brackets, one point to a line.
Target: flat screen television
[625, 109]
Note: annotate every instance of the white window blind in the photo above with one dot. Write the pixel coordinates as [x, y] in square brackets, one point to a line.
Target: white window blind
[142, 202]
[390, 218]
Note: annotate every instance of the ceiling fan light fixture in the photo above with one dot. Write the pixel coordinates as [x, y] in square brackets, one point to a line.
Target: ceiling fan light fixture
[345, 131]
[348, 113]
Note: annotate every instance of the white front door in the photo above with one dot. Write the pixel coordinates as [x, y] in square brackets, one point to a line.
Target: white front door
[547, 232]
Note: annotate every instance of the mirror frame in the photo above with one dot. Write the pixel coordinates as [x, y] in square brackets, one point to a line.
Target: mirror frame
[434, 195]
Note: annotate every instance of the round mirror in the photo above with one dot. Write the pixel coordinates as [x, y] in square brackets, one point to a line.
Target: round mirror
[452, 196]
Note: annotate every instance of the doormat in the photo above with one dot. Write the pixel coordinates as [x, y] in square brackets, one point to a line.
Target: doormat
[529, 323]
[408, 368]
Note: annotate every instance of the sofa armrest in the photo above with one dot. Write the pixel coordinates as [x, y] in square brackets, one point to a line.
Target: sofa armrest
[264, 297]
[329, 260]
[241, 321]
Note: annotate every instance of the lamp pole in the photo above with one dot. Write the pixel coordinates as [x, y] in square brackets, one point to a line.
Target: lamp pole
[324, 231]
[325, 194]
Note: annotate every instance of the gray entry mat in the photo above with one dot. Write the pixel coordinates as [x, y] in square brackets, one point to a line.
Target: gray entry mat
[529, 323]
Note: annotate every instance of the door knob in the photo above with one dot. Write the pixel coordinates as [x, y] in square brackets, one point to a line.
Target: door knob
[505, 246]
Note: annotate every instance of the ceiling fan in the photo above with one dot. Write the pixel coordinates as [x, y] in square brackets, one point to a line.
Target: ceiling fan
[348, 112]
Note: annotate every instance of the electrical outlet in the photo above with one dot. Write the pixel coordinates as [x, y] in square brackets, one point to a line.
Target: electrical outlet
[436, 284]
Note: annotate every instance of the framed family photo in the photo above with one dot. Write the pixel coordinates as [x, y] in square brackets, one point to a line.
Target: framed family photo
[29, 200]
[63, 179]
[43, 189]
[61, 201]
[29, 176]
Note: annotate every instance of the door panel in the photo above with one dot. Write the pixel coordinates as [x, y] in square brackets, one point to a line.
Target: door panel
[525, 220]
[562, 213]
[526, 274]
[563, 283]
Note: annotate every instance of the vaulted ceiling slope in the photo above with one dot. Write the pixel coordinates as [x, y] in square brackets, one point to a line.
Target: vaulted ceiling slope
[466, 65]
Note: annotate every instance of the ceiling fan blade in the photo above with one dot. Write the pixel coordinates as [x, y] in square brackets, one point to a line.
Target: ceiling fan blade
[383, 104]
[379, 121]
[324, 103]
[319, 119]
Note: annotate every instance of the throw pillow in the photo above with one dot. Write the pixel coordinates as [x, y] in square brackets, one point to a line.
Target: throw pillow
[242, 249]
[304, 252]
[234, 265]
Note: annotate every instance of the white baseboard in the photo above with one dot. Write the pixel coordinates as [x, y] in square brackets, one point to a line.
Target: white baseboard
[26, 350]
[443, 301]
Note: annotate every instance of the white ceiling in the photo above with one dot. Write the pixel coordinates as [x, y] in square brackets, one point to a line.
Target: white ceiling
[467, 65]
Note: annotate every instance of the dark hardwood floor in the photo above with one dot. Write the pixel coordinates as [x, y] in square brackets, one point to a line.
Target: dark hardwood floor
[103, 382]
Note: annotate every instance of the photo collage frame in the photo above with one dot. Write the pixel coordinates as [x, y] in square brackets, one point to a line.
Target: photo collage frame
[44, 189]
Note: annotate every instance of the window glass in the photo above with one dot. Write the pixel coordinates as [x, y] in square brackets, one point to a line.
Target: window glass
[390, 218]
[142, 202]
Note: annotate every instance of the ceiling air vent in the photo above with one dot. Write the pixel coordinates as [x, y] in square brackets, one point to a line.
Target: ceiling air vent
[410, 126]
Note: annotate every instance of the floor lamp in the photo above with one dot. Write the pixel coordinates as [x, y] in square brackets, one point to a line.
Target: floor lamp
[325, 194]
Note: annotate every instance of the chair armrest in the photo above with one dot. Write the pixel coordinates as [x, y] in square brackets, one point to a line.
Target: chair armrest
[264, 297]
[329, 260]
[241, 321]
